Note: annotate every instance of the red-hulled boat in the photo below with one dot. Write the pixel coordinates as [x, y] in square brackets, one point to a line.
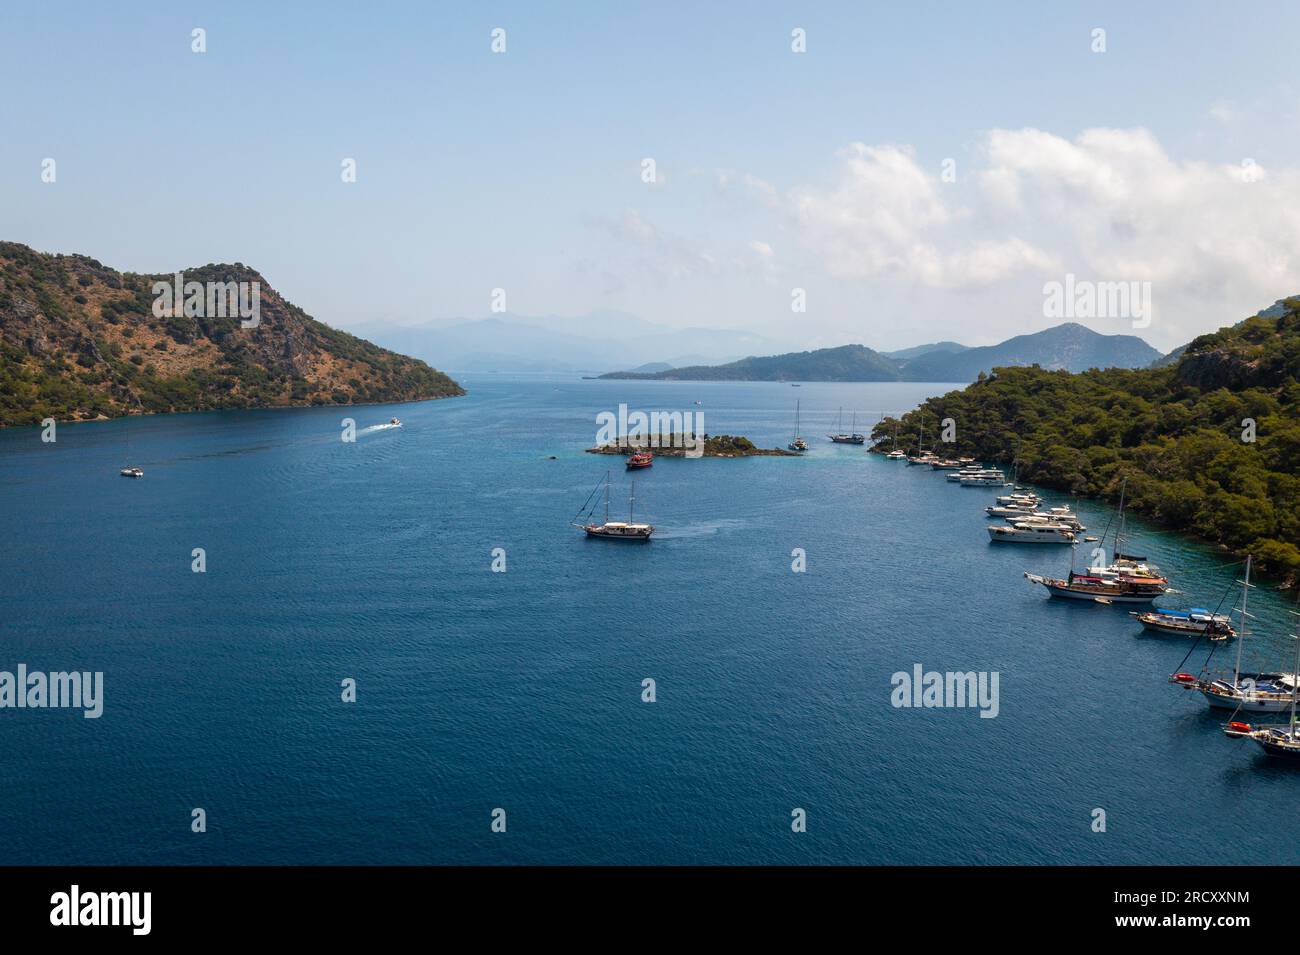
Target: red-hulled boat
[642, 459]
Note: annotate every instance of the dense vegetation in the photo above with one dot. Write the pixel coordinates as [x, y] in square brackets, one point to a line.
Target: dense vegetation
[1181, 435]
[80, 341]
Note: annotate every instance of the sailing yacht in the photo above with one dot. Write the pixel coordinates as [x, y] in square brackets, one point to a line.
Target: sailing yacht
[1123, 582]
[922, 456]
[614, 530]
[798, 444]
[1275, 740]
[1254, 692]
[851, 437]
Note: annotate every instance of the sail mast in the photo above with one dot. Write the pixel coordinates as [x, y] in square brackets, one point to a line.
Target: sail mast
[1245, 587]
[606, 497]
[1295, 671]
[630, 498]
[1119, 531]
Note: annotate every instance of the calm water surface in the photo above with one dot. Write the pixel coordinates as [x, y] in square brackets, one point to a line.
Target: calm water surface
[522, 690]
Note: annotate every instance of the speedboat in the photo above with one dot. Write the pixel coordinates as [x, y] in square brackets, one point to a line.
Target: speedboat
[394, 422]
[132, 472]
[1019, 498]
[989, 477]
[1047, 517]
[1024, 532]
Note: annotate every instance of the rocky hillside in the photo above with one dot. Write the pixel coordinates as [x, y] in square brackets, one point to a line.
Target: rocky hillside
[80, 341]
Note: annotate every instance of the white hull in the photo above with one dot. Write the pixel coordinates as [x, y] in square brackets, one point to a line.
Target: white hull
[1247, 705]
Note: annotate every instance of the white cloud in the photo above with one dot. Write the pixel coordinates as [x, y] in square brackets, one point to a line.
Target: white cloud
[886, 216]
[1216, 240]
[660, 254]
[1223, 111]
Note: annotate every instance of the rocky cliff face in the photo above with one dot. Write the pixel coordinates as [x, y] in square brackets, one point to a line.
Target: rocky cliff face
[79, 341]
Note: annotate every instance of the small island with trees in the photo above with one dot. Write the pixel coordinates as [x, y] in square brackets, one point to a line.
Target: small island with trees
[676, 446]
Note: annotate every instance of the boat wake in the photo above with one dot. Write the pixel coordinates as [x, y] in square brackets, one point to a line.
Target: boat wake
[378, 427]
[708, 529]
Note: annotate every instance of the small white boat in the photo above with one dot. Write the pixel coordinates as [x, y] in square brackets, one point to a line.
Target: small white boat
[1014, 498]
[897, 455]
[1027, 533]
[394, 422]
[989, 477]
[132, 472]
[1048, 517]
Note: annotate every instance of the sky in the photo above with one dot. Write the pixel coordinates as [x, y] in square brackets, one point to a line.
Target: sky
[1170, 157]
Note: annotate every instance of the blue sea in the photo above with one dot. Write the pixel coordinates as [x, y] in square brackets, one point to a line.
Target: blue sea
[477, 690]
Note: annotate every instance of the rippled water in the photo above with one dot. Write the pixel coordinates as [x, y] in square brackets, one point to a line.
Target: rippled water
[522, 690]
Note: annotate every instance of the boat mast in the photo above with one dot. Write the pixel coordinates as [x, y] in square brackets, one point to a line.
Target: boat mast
[1295, 671]
[1119, 531]
[1245, 587]
[630, 498]
[606, 497]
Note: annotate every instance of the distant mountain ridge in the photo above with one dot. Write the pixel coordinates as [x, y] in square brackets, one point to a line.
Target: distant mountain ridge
[845, 363]
[80, 341]
[916, 351]
[1070, 347]
[590, 343]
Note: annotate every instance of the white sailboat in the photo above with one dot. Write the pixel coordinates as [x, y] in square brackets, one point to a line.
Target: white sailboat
[798, 444]
[627, 530]
[1253, 692]
[1275, 740]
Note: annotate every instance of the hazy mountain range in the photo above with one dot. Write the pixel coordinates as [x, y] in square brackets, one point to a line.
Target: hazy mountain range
[1071, 347]
[589, 343]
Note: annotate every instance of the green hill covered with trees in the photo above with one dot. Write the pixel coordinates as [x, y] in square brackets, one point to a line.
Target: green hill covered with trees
[1181, 434]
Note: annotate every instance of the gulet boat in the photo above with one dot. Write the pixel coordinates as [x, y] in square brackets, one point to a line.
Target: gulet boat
[627, 530]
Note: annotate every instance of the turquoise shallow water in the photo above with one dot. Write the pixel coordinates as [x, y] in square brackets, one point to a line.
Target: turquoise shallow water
[522, 690]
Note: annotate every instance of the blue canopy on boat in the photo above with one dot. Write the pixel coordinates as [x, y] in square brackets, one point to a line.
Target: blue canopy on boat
[1176, 613]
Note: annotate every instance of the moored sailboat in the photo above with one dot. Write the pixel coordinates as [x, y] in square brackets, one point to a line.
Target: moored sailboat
[1254, 692]
[1275, 740]
[798, 443]
[1194, 622]
[1122, 582]
[849, 437]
